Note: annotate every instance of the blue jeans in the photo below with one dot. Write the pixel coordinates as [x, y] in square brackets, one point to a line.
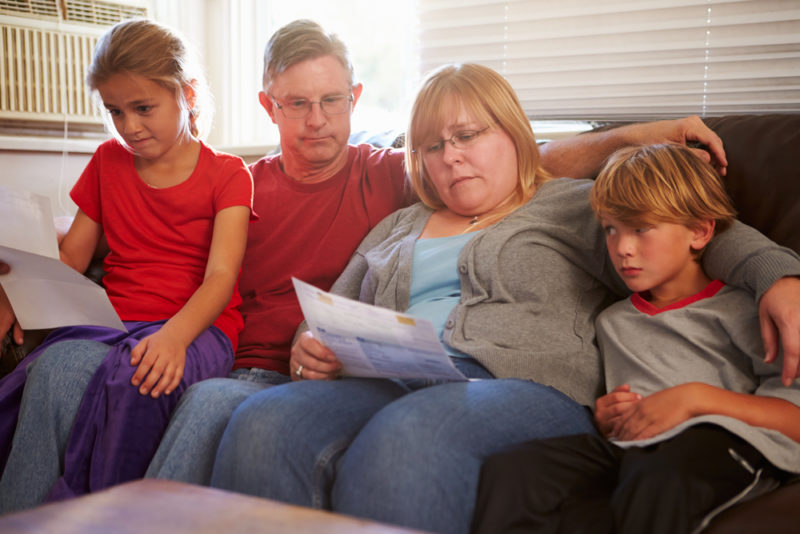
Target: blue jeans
[53, 392]
[187, 450]
[379, 450]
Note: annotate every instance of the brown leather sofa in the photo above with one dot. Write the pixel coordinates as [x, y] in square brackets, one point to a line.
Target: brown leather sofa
[763, 180]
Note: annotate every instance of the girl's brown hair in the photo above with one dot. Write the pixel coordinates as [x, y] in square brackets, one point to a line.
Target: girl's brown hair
[155, 52]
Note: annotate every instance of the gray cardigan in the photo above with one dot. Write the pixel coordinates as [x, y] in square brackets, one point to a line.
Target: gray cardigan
[533, 284]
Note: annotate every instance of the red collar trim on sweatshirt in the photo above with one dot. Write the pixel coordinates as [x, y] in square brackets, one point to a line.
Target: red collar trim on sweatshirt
[644, 306]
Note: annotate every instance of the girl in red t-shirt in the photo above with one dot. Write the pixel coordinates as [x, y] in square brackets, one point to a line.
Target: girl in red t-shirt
[174, 214]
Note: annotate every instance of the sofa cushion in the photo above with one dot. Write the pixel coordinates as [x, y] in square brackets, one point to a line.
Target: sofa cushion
[763, 179]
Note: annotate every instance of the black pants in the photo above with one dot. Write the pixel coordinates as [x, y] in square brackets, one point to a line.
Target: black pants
[584, 483]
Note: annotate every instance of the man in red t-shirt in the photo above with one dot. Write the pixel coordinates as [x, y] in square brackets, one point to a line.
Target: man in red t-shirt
[316, 200]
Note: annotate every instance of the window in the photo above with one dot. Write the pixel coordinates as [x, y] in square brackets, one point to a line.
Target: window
[231, 37]
[626, 59]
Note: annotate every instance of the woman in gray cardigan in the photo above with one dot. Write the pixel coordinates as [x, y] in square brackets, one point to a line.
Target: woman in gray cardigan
[512, 266]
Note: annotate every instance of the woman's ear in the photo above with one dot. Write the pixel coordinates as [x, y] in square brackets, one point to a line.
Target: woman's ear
[702, 234]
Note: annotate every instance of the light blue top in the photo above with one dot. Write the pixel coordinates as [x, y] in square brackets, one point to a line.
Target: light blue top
[434, 295]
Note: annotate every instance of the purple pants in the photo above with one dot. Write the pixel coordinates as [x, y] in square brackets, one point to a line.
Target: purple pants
[117, 430]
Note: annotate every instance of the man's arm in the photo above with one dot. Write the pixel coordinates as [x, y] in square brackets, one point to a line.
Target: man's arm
[582, 156]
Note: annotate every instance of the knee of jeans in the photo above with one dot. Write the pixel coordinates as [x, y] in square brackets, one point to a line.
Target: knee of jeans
[74, 356]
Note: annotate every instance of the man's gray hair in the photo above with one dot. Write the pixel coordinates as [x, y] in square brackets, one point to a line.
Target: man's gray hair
[299, 41]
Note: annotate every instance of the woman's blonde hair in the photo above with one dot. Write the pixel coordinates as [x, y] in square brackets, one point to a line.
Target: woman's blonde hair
[490, 99]
[158, 53]
[661, 183]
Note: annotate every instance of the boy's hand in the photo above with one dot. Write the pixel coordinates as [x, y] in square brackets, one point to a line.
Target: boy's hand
[657, 413]
[611, 407]
[161, 359]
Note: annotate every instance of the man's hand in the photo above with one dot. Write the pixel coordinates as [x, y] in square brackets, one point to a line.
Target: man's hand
[779, 314]
[683, 131]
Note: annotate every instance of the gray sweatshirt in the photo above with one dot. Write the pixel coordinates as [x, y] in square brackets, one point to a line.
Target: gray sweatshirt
[715, 340]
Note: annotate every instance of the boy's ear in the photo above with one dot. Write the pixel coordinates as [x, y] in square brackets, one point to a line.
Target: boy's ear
[703, 233]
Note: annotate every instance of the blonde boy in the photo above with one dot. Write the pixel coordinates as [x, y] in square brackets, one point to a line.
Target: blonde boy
[694, 420]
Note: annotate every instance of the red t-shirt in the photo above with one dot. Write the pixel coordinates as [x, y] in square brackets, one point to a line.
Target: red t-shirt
[160, 238]
[309, 231]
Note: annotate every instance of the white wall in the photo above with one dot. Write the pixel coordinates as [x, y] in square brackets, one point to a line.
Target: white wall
[47, 173]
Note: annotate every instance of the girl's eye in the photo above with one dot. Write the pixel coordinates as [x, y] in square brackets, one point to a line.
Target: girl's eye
[143, 109]
[113, 112]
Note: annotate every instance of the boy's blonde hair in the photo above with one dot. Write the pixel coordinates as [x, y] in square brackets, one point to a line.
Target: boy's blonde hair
[158, 53]
[661, 183]
[491, 100]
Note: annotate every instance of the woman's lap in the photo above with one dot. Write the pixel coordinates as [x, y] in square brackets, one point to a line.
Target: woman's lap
[370, 448]
[284, 442]
[417, 461]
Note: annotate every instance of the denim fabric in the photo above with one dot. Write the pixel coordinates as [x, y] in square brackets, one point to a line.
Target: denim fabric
[117, 430]
[187, 450]
[53, 391]
[376, 449]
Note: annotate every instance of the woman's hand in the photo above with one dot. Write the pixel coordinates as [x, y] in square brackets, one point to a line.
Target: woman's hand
[311, 360]
[160, 358]
[779, 314]
[612, 407]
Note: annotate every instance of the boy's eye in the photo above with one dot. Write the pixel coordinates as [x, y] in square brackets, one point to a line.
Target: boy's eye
[643, 229]
[610, 230]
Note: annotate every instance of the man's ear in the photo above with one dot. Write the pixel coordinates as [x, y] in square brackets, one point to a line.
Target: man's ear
[357, 89]
[702, 234]
[268, 104]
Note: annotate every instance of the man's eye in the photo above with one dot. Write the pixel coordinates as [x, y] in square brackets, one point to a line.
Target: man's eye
[298, 104]
[333, 99]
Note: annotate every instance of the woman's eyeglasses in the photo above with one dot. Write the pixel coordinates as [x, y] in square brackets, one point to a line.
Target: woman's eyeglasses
[461, 140]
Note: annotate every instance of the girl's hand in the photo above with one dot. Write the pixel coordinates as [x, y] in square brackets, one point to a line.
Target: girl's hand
[311, 360]
[658, 413]
[612, 407]
[160, 358]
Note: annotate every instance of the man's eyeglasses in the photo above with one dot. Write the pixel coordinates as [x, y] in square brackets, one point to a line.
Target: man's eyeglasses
[300, 107]
[462, 139]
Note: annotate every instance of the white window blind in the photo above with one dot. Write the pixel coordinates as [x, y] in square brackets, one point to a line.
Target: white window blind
[626, 59]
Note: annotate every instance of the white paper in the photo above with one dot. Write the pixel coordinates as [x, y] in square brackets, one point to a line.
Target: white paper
[375, 342]
[44, 292]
